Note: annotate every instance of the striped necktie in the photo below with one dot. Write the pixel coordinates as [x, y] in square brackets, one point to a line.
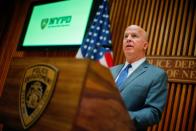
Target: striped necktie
[122, 76]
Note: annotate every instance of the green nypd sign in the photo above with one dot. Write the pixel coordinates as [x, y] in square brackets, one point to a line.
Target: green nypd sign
[56, 22]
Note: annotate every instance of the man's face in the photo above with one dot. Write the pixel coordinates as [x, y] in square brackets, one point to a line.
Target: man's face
[134, 42]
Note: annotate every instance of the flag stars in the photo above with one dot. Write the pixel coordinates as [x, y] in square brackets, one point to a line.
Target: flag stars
[100, 21]
[98, 13]
[92, 27]
[87, 54]
[98, 28]
[95, 34]
[95, 51]
[101, 53]
[110, 42]
[89, 48]
[107, 49]
[98, 44]
[92, 41]
[85, 46]
[101, 6]
[90, 33]
[106, 16]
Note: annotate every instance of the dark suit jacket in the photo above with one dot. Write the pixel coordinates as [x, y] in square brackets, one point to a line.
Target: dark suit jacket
[144, 93]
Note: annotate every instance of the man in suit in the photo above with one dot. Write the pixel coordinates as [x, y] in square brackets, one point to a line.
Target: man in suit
[144, 89]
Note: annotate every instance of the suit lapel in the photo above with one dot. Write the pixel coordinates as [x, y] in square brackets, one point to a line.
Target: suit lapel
[117, 71]
[139, 71]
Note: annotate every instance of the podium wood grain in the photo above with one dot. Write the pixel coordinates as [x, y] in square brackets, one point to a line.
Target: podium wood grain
[84, 99]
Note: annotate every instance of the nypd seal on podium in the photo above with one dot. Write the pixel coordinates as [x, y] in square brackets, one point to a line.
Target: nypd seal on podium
[35, 92]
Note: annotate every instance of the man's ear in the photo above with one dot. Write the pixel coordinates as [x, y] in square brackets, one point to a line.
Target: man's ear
[145, 45]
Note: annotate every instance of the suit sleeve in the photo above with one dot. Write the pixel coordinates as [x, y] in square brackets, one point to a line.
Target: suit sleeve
[151, 112]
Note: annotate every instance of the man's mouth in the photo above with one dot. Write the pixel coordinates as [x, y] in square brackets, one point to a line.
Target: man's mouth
[129, 46]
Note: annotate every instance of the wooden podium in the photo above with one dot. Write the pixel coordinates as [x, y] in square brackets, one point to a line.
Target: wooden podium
[80, 95]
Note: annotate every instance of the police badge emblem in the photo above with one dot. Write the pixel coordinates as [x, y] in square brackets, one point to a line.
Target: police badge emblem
[44, 23]
[37, 88]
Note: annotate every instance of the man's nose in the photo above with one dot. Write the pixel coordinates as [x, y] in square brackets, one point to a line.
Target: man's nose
[129, 38]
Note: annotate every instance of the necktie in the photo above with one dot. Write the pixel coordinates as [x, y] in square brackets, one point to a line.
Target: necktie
[122, 76]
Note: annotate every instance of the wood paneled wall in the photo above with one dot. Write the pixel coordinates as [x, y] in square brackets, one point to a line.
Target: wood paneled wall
[171, 25]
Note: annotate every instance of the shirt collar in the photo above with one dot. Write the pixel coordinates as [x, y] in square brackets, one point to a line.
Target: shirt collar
[136, 63]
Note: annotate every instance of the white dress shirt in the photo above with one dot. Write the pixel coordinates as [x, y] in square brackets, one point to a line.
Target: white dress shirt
[135, 65]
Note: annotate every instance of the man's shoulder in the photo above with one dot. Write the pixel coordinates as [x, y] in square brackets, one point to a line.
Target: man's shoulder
[116, 66]
[156, 69]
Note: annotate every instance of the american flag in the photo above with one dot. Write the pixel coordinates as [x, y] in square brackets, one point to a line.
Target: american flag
[97, 42]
